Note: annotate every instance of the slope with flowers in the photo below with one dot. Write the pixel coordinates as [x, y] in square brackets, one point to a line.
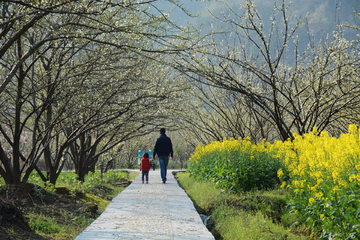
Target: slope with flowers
[320, 172]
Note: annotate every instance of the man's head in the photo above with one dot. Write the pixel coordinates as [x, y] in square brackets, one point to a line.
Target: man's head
[162, 130]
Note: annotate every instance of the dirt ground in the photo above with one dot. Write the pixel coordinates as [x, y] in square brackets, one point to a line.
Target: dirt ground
[16, 201]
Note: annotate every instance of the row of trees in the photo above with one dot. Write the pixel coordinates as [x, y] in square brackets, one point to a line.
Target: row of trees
[253, 80]
[80, 78]
[85, 81]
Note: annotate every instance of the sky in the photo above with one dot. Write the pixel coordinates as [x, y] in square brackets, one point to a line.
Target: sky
[321, 14]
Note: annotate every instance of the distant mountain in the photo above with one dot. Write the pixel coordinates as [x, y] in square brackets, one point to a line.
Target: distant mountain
[322, 14]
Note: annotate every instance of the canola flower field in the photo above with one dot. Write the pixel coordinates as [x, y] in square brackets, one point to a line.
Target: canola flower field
[322, 174]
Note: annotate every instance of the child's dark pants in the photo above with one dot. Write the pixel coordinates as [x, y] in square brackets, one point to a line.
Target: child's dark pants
[145, 173]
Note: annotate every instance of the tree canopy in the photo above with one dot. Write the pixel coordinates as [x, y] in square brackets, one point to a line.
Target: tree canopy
[82, 79]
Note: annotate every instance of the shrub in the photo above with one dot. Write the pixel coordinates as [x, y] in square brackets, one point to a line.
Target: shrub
[325, 178]
[321, 172]
[236, 165]
[44, 224]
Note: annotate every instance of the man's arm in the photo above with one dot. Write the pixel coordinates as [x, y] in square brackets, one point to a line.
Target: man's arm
[155, 150]
[171, 149]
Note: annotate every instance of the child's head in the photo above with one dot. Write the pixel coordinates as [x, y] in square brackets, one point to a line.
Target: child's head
[145, 155]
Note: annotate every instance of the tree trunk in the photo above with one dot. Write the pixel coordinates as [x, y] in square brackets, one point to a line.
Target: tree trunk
[17, 131]
[80, 170]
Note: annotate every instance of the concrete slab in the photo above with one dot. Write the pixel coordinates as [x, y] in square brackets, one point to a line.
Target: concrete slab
[149, 211]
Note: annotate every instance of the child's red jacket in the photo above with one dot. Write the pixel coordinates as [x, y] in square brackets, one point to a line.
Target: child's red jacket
[145, 164]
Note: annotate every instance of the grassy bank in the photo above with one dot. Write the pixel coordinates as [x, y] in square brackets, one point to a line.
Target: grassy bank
[60, 212]
[254, 215]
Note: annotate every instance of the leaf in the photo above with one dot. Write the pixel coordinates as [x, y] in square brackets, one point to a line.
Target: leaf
[358, 211]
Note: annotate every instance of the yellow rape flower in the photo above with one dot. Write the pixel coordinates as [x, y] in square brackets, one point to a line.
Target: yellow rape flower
[352, 128]
[319, 195]
[319, 181]
[318, 165]
[357, 167]
[343, 183]
[336, 188]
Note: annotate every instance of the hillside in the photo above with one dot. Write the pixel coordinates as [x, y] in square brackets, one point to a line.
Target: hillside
[321, 14]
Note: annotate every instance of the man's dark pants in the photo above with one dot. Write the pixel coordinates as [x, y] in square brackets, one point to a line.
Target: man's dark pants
[163, 160]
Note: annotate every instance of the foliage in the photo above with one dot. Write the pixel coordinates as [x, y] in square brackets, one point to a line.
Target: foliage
[242, 217]
[38, 192]
[69, 180]
[246, 226]
[50, 188]
[93, 181]
[325, 177]
[61, 215]
[236, 165]
[44, 224]
[204, 194]
[321, 172]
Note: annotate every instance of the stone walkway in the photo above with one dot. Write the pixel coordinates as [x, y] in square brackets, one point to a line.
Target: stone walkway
[149, 211]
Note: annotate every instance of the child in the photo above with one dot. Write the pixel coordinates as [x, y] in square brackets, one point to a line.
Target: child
[145, 167]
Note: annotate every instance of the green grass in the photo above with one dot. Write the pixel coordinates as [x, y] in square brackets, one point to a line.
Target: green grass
[66, 216]
[68, 224]
[93, 199]
[43, 224]
[254, 215]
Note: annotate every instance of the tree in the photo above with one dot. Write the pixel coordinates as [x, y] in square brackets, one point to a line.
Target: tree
[317, 88]
[219, 113]
[58, 89]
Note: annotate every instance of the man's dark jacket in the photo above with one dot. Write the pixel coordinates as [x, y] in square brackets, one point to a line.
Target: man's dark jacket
[163, 146]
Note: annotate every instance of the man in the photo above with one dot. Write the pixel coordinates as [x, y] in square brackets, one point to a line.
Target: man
[163, 148]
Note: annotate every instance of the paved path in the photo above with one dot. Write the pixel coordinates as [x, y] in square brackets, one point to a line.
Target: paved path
[149, 211]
